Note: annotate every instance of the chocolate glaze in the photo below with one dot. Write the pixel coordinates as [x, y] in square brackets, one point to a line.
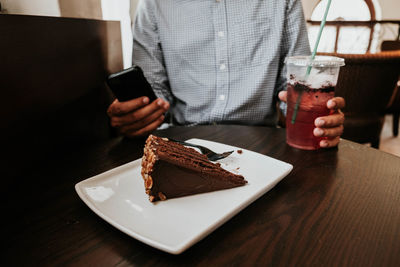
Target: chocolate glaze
[181, 171]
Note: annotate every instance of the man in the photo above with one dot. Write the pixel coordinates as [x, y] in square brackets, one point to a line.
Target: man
[217, 61]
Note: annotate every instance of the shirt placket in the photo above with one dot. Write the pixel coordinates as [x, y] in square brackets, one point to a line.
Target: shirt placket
[222, 66]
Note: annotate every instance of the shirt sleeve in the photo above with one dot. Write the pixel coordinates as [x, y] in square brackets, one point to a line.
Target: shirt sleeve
[294, 41]
[147, 51]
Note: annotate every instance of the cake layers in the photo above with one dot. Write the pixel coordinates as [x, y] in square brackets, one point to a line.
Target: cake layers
[172, 170]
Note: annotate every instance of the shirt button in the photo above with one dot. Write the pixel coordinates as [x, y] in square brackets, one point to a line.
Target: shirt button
[222, 67]
[221, 34]
[221, 97]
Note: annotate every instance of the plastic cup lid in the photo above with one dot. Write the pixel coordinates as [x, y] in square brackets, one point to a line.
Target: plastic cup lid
[319, 61]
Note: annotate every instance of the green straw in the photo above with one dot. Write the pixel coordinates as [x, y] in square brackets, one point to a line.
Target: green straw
[321, 28]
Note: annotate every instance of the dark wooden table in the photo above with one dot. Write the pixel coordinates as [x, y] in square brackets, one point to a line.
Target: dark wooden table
[338, 207]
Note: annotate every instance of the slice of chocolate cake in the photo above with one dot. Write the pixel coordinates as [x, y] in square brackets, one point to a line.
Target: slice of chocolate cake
[172, 170]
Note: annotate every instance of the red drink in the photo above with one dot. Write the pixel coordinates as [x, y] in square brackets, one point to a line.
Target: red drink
[311, 83]
[312, 105]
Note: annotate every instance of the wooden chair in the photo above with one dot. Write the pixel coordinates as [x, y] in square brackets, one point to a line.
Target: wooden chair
[367, 83]
[52, 73]
[390, 45]
[394, 104]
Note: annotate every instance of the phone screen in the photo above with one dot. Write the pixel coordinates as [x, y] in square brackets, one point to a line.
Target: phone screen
[129, 84]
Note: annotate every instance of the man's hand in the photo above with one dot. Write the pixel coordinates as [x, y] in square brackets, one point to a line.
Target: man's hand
[137, 117]
[330, 126]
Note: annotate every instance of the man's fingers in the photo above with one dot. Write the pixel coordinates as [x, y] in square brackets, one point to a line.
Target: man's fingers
[336, 103]
[330, 121]
[143, 122]
[328, 132]
[158, 106]
[146, 130]
[120, 108]
[282, 96]
[110, 108]
[329, 142]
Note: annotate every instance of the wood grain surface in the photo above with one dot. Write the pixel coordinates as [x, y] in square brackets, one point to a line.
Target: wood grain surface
[338, 207]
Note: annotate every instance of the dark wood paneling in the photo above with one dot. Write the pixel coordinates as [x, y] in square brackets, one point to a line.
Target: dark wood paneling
[52, 75]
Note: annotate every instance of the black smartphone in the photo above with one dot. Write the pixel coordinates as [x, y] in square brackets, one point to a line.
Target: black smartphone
[130, 83]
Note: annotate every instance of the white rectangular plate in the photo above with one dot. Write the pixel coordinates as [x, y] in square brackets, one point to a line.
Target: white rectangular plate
[118, 196]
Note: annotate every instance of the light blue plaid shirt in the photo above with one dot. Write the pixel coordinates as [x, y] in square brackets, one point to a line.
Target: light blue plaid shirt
[218, 61]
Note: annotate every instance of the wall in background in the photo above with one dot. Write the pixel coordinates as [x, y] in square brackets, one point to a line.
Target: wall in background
[29, 7]
[133, 8]
[123, 10]
[88, 9]
[120, 10]
[390, 9]
[308, 6]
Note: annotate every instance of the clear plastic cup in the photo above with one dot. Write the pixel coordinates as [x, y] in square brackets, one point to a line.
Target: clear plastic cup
[311, 92]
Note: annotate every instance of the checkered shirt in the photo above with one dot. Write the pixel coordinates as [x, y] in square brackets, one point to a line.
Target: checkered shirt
[218, 61]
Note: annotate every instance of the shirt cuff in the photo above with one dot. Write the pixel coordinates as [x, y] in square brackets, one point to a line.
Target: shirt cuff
[283, 107]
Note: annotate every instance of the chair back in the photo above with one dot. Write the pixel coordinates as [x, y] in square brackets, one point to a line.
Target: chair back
[394, 103]
[52, 82]
[367, 82]
[390, 45]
